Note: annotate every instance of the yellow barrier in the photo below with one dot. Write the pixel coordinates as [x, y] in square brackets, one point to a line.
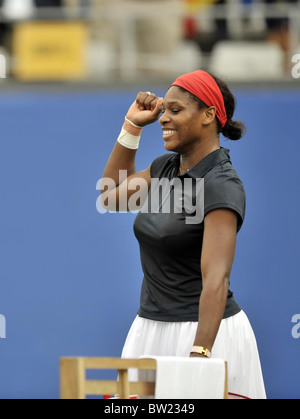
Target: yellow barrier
[49, 50]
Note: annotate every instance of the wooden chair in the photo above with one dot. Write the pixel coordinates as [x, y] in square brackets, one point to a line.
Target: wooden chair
[75, 385]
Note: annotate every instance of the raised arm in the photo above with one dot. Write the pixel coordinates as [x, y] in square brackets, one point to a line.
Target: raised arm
[145, 110]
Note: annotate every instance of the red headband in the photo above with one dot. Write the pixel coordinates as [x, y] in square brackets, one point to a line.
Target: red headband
[205, 88]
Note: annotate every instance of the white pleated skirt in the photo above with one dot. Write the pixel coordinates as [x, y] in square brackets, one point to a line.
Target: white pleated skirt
[235, 343]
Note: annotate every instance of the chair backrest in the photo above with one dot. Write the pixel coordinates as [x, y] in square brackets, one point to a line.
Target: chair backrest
[75, 385]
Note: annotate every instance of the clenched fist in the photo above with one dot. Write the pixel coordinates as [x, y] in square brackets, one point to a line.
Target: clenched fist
[146, 109]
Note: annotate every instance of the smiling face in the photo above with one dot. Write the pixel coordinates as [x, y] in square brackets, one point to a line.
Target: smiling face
[182, 122]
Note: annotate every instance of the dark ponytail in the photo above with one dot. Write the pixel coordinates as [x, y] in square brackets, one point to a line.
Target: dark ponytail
[233, 130]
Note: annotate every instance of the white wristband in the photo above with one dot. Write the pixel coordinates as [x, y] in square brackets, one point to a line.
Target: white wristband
[130, 135]
[128, 140]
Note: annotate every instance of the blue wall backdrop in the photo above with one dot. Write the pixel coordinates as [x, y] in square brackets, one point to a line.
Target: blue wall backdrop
[70, 278]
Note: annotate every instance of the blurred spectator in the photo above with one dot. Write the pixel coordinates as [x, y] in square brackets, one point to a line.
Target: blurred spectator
[13, 10]
[221, 25]
[158, 35]
[3, 29]
[19, 10]
[205, 40]
[278, 30]
[162, 34]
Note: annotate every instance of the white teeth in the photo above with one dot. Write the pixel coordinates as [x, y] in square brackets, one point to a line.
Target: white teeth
[168, 132]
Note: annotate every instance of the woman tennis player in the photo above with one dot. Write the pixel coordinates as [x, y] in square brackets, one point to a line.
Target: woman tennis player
[186, 306]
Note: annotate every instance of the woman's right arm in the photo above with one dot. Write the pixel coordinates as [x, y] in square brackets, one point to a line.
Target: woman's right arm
[120, 171]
